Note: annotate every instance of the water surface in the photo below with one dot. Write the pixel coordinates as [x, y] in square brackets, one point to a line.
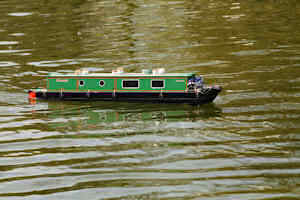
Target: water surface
[243, 146]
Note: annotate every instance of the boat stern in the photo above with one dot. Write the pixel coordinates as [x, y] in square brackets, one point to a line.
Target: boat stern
[36, 93]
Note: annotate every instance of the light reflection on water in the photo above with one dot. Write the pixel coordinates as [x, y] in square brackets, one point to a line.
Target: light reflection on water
[244, 146]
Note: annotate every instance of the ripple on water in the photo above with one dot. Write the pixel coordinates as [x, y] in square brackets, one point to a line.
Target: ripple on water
[252, 52]
[17, 34]
[8, 42]
[8, 64]
[56, 63]
[13, 51]
[20, 14]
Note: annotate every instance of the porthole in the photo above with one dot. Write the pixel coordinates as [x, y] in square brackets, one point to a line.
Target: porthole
[81, 83]
[101, 83]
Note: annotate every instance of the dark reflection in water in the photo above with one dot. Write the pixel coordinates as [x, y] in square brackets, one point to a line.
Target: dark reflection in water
[104, 114]
[245, 146]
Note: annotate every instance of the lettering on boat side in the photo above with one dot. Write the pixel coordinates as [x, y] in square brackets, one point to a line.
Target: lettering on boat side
[179, 80]
[62, 80]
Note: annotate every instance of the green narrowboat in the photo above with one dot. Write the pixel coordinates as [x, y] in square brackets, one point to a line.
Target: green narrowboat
[151, 86]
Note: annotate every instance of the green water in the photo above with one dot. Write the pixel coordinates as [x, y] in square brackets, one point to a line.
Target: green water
[243, 146]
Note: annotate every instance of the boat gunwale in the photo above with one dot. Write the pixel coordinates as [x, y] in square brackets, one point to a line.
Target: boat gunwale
[99, 91]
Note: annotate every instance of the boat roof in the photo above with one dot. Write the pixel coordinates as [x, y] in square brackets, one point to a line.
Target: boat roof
[122, 75]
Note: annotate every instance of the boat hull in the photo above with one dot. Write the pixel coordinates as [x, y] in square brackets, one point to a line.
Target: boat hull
[202, 96]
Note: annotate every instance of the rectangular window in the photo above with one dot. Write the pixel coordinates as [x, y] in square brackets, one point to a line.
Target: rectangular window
[130, 83]
[157, 83]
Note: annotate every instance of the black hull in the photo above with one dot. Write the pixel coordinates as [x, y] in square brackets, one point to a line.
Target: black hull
[205, 96]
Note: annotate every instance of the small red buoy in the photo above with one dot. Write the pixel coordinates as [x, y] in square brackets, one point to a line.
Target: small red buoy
[31, 95]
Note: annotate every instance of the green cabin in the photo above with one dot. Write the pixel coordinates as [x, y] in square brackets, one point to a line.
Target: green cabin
[118, 81]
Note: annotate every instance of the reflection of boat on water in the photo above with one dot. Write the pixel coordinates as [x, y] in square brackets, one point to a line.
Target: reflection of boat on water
[148, 86]
[89, 114]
